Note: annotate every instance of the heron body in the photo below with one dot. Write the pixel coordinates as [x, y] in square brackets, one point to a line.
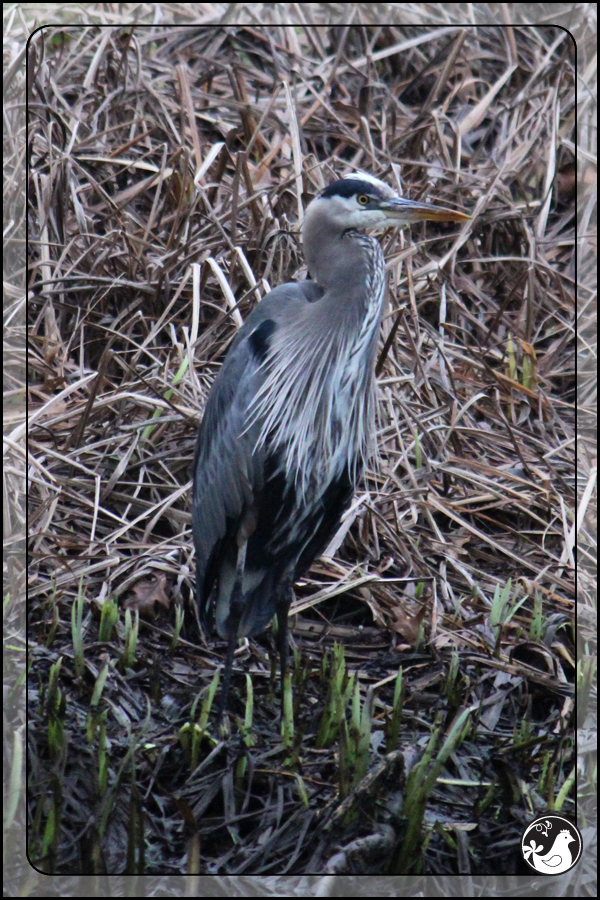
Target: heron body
[290, 419]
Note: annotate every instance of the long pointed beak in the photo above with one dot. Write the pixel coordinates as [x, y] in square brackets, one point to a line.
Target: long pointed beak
[401, 210]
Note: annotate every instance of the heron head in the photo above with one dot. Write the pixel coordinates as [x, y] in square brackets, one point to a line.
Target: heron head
[362, 202]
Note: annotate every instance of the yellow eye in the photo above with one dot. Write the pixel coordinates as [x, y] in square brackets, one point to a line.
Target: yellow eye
[362, 200]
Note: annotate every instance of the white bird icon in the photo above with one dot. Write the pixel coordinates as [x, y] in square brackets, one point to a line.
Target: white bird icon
[557, 860]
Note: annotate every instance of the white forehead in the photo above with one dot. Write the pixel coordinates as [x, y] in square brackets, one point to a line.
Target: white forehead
[381, 185]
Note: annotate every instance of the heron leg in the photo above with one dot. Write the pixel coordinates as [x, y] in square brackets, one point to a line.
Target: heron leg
[236, 606]
[283, 644]
[231, 644]
[286, 594]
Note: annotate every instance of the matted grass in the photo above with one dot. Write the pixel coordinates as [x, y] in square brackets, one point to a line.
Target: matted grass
[169, 169]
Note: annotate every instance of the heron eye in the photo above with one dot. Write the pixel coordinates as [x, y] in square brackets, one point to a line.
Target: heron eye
[362, 200]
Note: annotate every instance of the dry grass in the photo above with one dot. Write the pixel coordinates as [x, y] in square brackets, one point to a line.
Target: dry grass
[168, 171]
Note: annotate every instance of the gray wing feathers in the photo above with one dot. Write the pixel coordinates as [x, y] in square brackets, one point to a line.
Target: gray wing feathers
[228, 469]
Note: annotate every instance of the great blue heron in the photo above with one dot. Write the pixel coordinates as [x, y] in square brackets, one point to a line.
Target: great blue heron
[289, 421]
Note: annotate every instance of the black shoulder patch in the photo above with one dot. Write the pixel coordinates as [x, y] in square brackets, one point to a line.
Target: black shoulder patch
[259, 339]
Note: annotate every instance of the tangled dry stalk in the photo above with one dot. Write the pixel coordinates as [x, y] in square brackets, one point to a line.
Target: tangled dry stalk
[169, 168]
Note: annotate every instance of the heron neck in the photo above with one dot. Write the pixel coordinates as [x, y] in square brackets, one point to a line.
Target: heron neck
[342, 264]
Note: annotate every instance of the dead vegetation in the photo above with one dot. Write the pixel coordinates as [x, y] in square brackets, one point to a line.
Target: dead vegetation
[169, 168]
